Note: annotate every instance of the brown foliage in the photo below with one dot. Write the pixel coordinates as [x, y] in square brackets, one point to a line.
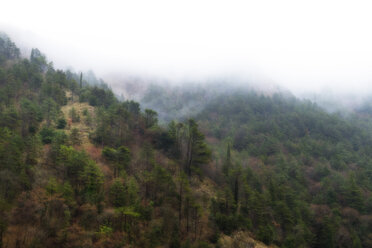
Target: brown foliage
[75, 237]
[36, 219]
[351, 215]
[94, 152]
[88, 216]
[320, 211]
[343, 237]
[114, 240]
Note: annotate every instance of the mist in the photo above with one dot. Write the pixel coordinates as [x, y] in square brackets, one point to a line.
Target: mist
[313, 47]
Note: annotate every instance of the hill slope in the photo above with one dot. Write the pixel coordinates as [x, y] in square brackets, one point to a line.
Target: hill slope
[310, 168]
[79, 168]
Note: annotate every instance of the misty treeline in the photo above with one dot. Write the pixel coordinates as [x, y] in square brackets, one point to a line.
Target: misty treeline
[79, 168]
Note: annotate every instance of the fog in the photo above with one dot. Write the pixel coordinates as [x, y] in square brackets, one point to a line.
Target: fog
[312, 46]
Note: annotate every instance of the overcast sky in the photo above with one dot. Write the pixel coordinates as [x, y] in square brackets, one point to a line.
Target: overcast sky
[304, 45]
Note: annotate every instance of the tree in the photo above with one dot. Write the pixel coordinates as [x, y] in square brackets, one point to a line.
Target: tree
[354, 195]
[227, 165]
[31, 117]
[183, 190]
[50, 110]
[119, 158]
[151, 118]
[74, 115]
[38, 59]
[197, 152]
[32, 149]
[74, 88]
[3, 225]
[133, 107]
[61, 123]
[325, 234]
[123, 158]
[148, 156]
[122, 120]
[75, 137]
[127, 218]
[81, 80]
[235, 176]
[92, 181]
[175, 132]
[8, 50]
[117, 194]
[47, 134]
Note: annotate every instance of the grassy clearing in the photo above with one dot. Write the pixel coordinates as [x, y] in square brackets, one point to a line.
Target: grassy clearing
[82, 125]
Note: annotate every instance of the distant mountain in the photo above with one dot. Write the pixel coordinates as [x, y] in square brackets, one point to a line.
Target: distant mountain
[181, 99]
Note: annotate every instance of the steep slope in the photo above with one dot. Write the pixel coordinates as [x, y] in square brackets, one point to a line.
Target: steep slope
[78, 168]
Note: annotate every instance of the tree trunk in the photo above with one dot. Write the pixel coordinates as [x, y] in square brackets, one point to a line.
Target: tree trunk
[180, 206]
[187, 215]
[236, 189]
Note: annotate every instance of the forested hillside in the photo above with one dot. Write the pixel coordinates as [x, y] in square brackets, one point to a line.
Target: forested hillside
[79, 168]
[312, 169]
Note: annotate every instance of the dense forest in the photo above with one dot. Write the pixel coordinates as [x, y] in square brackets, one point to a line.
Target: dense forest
[80, 168]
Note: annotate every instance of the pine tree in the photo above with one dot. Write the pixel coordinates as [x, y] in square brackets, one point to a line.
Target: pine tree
[81, 80]
[197, 152]
[227, 165]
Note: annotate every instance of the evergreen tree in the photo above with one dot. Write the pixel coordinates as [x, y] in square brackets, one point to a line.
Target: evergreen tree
[197, 152]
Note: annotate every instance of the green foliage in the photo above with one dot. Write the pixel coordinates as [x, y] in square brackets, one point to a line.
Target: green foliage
[31, 116]
[50, 110]
[68, 192]
[8, 50]
[61, 123]
[197, 152]
[97, 96]
[47, 134]
[92, 181]
[159, 184]
[266, 234]
[119, 158]
[227, 165]
[354, 196]
[60, 138]
[117, 125]
[325, 234]
[10, 118]
[83, 174]
[52, 186]
[105, 230]
[117, 194]
[10, 150]
[54, 86]
[151, 118]
[38, 60]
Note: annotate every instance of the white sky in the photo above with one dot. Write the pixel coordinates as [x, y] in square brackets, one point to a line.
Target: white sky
[304, 45]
